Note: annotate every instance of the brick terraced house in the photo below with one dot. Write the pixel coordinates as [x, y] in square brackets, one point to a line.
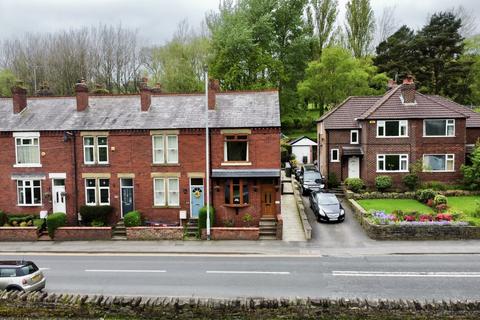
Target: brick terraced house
[365, 137]
[142, 152]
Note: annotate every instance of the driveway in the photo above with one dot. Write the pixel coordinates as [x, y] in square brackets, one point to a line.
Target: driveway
[346, 234]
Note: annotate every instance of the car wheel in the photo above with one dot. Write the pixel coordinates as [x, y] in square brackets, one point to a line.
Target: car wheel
[14, 289]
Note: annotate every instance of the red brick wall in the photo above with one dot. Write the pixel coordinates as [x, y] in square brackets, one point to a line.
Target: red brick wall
[233, 233]
[18, 233]
[336, 140]
[83, 233]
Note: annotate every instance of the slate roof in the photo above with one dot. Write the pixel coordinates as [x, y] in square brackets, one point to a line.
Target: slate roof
[233, 110]
[390, 106]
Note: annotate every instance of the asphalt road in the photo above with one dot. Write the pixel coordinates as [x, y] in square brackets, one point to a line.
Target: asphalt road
[396, 276]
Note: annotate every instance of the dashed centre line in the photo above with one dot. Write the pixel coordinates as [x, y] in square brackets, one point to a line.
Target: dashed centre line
[248, 272]
[426, 274]
[126, 271]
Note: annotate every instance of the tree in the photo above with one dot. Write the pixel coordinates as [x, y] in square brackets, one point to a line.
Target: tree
[472, 56]
[338, 75]
[324, 16]
[360, 27]
[387, 24]
[471, 173]
[7, 80]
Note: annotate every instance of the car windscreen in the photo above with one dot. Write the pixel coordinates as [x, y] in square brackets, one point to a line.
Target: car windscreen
[312, 176]
[27, 269]
[327, 199]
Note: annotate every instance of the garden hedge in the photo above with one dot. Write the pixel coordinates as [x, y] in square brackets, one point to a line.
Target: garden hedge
[3, 218]
[54, 221]
[202, 218]
[133, 219]
[90, 214]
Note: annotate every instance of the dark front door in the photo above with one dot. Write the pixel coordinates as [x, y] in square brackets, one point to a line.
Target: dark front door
[268, 201]
[127, 195]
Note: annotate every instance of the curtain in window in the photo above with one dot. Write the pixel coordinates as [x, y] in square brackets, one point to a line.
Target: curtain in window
[173, 192]
[27, 151]
[159, 192]
[172, 145]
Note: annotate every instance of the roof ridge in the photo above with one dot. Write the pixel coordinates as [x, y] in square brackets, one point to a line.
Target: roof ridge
[331, 111]
[377, 104]
[442, 104]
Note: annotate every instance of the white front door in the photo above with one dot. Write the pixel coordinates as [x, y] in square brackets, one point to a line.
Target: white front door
[354, 167]
[58, 195]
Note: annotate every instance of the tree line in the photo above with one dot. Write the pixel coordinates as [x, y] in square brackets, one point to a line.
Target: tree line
[297, 46]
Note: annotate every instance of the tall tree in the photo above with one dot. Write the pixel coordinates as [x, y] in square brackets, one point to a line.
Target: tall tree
[7, 80]
[387, 24]
[324, 16]
[360, 27]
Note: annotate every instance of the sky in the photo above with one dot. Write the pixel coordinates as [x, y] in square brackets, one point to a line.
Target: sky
[157, 20]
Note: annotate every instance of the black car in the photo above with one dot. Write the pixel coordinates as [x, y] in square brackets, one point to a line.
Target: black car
[299, 171]
[311, 181]
[326, 207]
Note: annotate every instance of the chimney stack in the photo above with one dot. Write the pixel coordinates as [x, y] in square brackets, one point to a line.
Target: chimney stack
[408, 89]
[391, 84]
[81, 91]
[145, 95]
[213, 87]
[19, 93]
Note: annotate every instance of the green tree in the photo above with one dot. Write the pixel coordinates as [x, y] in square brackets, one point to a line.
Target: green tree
[472, 56]
[471, 173]
[7, 80]
[337, 75]
[360, 27]
[324, 16]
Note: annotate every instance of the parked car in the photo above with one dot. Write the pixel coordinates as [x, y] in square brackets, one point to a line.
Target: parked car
[311, 181]
[300, 170]
[21, 276]
[326, 207]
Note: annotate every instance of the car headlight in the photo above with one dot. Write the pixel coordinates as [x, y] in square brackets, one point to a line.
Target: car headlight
[342, 212]
[321, 212]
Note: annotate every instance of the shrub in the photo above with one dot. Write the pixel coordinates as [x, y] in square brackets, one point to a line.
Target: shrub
[441, 208]
[247, 219]
[39, 223]
[228, 223]
[202, 218]
[354, 184]
[97, 223]
[3, 218]
[434, 185]
[18, 219]
[333, 180]
[411, 181]
[97, 213]
[439, 199]
[133, 219]
[425, 194]
[383, 183]
[54, 221]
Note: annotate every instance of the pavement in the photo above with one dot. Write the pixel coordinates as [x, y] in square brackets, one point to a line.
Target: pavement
[292, 225]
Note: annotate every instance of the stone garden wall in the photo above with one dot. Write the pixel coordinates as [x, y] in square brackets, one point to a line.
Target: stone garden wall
[155, 233]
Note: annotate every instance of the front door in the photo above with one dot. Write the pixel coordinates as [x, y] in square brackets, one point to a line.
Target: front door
[196, 197]
[268, 201]
[126, 186]
[354, 167]
[58, 195]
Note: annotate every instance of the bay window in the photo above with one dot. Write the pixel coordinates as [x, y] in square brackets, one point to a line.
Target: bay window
[236, 192]
[166, 192]
[27, 149]
[29, 192]
[438, 162]
[439, 127]
[392, 128]
[392, 163]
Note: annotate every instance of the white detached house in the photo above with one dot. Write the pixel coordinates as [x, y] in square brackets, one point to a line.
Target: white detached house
[304, 149]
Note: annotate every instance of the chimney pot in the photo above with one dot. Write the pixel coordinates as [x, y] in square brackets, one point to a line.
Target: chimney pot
[213, 87]
[19, 93]
[408, 89]
[145, 95]
[81, 91]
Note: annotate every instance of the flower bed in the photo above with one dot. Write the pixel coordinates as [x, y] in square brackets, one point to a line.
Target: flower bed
[18, 233]
[155, 233]
[83, 233]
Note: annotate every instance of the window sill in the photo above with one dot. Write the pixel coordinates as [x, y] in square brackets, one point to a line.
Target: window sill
[27, 165]
[392, 137]
[165, 164]
[166, 207]
[438, 136]
[30, 205]
[439, 171]
[236, 163]
[236, 205]
[89, 165]
[403, 171]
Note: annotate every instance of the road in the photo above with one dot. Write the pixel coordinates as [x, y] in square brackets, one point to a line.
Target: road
[391, 276]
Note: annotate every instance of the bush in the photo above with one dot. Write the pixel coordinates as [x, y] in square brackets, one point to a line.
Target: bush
[54, 221]
[133, 219]
[3, 218]
[202, 218]
[332, 180]
[439, 199]
[411, 181]
[425, 194]
[434, 185]
[354, 184]
[383, 183]
[247, 219]
[95, 213]
[39, 223]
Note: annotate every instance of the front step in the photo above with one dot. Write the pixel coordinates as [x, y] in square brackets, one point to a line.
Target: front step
[192, 228]
[119, 231]
[268, 229]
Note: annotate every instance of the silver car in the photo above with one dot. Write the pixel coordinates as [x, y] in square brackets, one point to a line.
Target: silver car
[21, 276]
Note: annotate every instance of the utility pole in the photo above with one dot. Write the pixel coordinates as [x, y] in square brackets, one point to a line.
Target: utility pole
[207, 155]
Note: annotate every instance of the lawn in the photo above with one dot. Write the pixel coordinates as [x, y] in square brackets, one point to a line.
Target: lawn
[389, 205]
[467, 206]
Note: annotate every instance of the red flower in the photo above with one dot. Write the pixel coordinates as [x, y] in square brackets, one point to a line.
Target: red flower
[409, 218]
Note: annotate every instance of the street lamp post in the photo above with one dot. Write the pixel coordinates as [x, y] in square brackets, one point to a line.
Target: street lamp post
[207, 155]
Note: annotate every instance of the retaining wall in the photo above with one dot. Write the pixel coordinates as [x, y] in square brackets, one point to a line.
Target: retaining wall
[18, 233]
[155, 233]
[83, 233]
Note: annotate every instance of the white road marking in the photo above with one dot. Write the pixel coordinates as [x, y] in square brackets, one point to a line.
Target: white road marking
[426, 274]
[126, 271]
[249, 272]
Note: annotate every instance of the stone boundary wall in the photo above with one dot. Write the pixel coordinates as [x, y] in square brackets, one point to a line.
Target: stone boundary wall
[234, 233]
[18, 233]
[82, 233]
[15, 305]
[412, 232]
[279, 227]
[405, 195]
[154, 233]
[307, 228]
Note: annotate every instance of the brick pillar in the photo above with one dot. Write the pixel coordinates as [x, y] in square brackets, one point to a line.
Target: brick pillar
[213, 87]
[19, 93]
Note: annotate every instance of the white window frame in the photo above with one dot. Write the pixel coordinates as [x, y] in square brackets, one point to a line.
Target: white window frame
[448, 157]
[165, 147]
[401, 123]
[166, 191]
[97, 189]
[338, 155]
[448, 123]
[89, 188]
[26, 135]
[351, 137]
[403, 157]
[32, 187]
[96, 150]
[169, 192]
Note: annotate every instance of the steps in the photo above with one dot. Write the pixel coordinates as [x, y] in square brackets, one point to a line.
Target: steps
[43, 236]
[119, 231]
[268, 229]
[338, 191]
[191, 230]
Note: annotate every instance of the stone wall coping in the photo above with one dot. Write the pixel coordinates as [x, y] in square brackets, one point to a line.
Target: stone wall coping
[279, 217]
[307, 228]
[236, 228]
[84, 228]
[154, 227]
[17, 228]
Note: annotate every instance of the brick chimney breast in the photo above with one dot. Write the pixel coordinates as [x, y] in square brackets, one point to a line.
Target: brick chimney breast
[19, 94]
[408, 90]
[213, 88]
[81, 92]
[145, 95]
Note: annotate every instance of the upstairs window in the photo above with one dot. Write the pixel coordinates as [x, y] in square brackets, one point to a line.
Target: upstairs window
[165, 149]
[354, 139]
[439, 128]
[392, 129]
[236, 148]
[27, 149]
[95, 150]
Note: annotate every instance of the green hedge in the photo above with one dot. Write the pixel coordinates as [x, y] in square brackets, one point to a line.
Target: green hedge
[133, 219]
[54, 221]
[202, 219]
[90, 214]
[3, 218]
[382, 183]
[354, 184]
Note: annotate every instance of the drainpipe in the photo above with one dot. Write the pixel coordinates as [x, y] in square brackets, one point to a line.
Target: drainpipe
[75, 186]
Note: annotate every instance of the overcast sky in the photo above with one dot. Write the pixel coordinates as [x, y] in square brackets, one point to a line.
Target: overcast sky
[157, 19]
